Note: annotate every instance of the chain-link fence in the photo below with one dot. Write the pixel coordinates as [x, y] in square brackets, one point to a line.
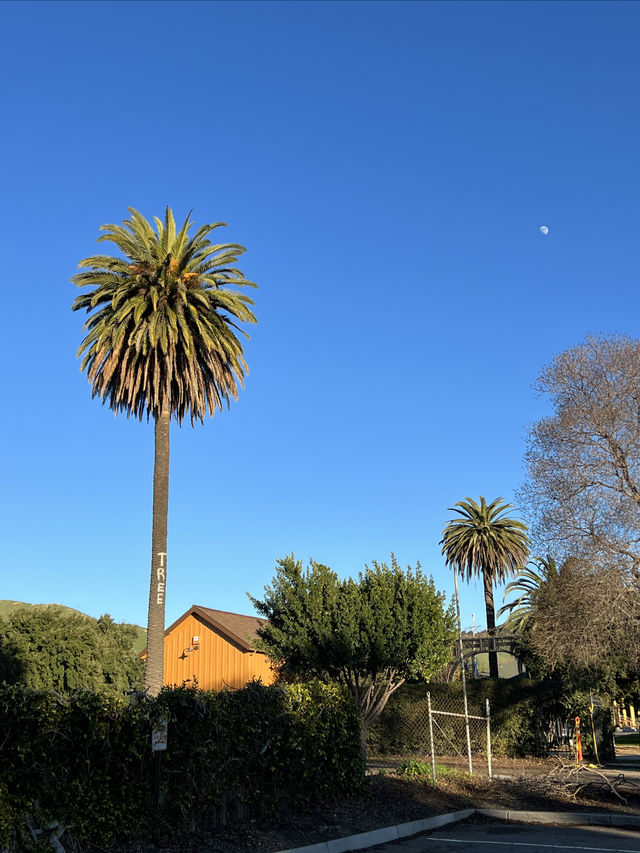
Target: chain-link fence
[528, 719]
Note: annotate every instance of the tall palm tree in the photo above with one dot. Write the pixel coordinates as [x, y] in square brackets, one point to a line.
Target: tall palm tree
[486, 542]
[528, 583]
[161, 342]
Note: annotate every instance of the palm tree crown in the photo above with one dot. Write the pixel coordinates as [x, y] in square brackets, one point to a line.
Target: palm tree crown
[484, 540]
[162, 335]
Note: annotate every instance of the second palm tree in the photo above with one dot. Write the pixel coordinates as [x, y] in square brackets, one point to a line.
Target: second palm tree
[485, 542]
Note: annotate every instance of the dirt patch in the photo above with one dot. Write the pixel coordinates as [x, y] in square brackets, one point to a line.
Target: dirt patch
[389, 798]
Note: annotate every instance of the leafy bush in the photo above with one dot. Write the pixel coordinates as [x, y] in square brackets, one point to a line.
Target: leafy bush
[85, 760]
[412, 769]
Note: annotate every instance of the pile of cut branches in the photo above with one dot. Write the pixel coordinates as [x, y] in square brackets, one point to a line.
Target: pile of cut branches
[571, 780]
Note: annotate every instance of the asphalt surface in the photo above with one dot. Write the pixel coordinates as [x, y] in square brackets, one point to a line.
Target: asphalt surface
[519, 838]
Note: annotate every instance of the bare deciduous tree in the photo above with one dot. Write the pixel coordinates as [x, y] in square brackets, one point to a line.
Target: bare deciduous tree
[582, 494]
[586, 618]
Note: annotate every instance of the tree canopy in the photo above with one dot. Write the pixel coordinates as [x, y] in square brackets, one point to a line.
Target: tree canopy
[163, 317]
[369, 634]
[584, 626]
[50, 648]
[582, 492]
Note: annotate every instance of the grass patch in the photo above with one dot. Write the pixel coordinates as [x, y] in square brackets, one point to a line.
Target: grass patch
[422, 770]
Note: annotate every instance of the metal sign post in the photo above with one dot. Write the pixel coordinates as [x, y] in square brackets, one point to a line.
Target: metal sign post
[159, 737]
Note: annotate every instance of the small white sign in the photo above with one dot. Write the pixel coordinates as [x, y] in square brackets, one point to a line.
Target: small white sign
[159, 735]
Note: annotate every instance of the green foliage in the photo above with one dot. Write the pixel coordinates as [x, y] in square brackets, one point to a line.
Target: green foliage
[415, 769]
[85, 760]
[584, 629]
[53, 648]
[273, 746]
[615, 675]
[7, 607]
[368, 634]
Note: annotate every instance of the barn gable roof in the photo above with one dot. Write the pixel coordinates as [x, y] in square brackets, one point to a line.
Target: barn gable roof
[239, 629]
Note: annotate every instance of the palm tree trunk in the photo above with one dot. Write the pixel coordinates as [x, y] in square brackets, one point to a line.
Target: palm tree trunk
[491, 621]
[154, 669]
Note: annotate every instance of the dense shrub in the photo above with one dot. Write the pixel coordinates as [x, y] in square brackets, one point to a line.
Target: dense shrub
[261, 748]
[521, 713]
[51, 647]
[85, 760]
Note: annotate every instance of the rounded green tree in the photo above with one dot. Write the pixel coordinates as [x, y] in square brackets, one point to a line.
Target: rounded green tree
[369, 634]
[161, 342]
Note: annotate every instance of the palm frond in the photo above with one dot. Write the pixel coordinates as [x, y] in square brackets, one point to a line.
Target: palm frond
[528, 582]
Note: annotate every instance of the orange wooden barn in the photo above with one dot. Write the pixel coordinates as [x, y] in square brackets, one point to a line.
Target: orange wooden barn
[212, 649]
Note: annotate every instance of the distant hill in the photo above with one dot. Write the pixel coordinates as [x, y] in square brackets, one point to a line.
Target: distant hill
[7, 607]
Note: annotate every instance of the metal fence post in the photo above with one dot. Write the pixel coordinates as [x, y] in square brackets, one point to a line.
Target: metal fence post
[488, 710]
[433, 754]
[462, 673]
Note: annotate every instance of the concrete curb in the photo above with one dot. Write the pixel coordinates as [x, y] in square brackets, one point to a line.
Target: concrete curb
[405, 830]
[381, 836]
[567, 818]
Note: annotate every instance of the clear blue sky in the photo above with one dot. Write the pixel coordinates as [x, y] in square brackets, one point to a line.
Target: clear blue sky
[388, 166]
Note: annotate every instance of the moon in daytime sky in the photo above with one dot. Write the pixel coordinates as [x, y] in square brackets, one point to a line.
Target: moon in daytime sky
[544, 229]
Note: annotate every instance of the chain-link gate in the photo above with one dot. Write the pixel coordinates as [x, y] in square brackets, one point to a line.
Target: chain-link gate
[456, 733]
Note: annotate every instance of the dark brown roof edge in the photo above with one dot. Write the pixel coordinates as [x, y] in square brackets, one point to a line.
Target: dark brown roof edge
[207, 619]
[241, 641]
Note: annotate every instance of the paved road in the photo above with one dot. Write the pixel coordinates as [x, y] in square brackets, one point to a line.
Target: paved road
[517, 838]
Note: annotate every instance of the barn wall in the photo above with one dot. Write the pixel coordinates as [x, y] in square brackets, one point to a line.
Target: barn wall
[216, 664]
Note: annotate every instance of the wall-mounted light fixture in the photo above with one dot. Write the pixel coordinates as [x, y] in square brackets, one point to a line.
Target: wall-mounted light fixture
[195, 645]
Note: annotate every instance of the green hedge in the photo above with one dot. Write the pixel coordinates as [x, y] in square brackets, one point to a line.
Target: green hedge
[85, 760]
[521, 711]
